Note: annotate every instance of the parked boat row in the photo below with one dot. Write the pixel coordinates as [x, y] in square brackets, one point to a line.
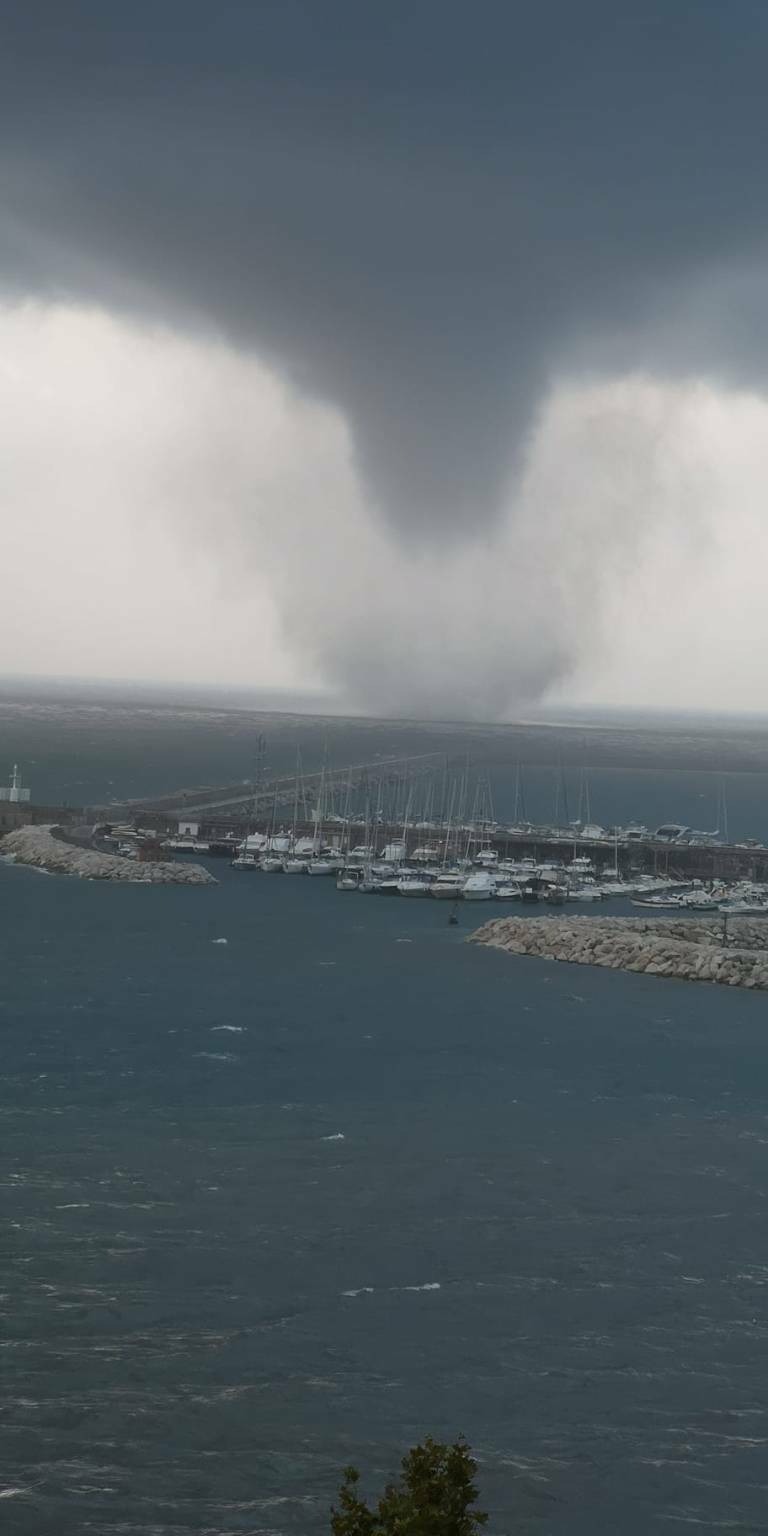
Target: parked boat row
[742, 899]
[455, 860]
[484, 878]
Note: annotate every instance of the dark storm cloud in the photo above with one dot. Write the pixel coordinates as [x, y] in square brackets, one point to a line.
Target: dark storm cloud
[417, 210]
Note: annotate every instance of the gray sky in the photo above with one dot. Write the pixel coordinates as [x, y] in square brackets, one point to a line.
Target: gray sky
[415, 351]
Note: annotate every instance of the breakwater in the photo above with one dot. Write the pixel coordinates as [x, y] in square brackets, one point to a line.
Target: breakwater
[686, 949]
[40, 848]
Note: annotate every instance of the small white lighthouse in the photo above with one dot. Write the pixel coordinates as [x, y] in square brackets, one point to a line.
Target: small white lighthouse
[16, 794]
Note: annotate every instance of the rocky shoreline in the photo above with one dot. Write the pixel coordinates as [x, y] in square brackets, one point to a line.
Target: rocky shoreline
[40, 848]
[691, 950]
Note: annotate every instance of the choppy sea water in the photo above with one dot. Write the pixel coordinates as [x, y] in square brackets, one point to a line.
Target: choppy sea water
[296, 1199]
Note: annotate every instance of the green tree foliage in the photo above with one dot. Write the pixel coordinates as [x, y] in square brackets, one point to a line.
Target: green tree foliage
[434, 1497]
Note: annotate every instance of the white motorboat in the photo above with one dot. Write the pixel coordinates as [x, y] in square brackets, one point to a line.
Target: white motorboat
[272, 864]
[508, 892]
[412, 885]
[479, 887]
[348, 879]
[322, 866]
[516, 869]
[305, 848]
[294, 866]
[487, 858]
[380, 871]
[447, 886]
[744, 908]
[394, 852]
[427, 853]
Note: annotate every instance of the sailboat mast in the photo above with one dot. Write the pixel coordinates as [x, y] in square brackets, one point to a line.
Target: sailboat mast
[320, 810]
[406, 819]
[296, 799]
[379, 810]
[448, 825]
[347, 813]
[516, 817]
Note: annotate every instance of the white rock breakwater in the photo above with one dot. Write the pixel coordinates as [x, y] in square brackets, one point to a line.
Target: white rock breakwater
[40, 848]
[690, 950]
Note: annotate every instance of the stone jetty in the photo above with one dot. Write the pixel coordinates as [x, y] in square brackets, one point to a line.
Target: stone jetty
[690, 949]
[41, 848]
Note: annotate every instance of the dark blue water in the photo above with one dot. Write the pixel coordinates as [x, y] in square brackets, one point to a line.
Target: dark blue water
[545, 1225]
